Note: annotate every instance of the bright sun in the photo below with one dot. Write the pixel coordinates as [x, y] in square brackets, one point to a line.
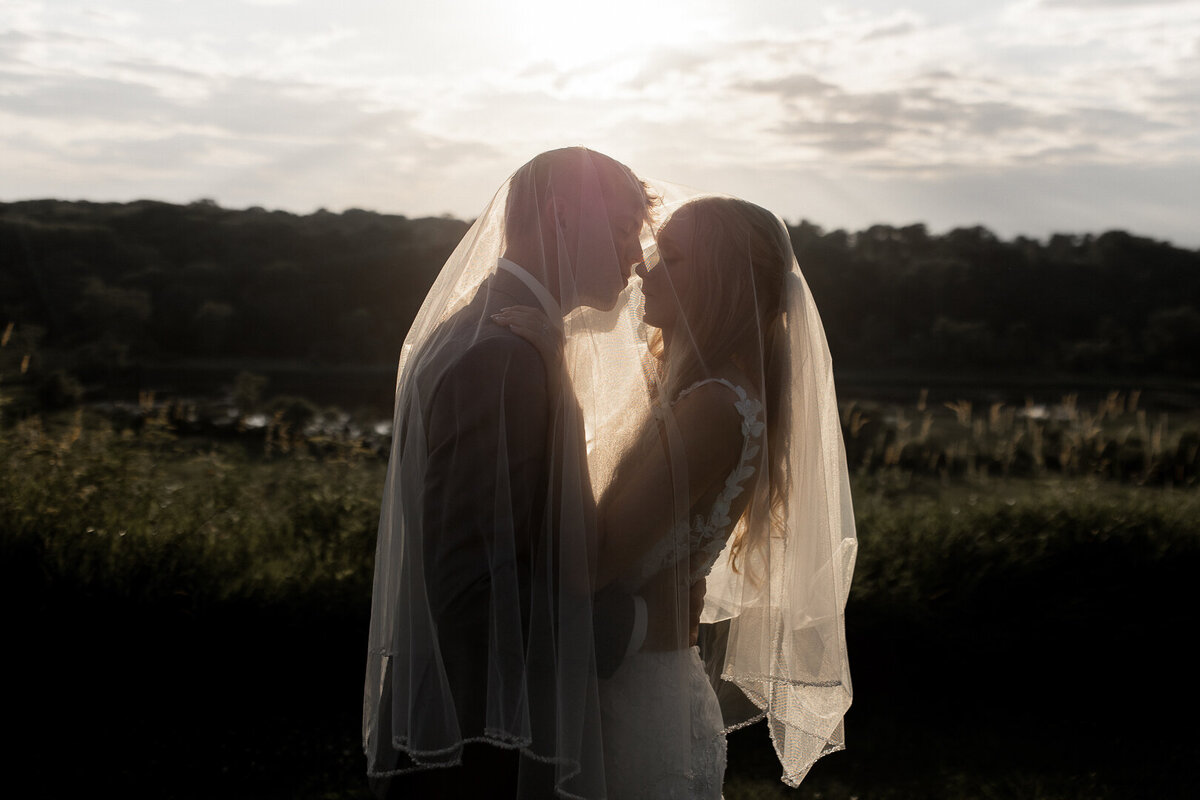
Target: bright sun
[574, 34]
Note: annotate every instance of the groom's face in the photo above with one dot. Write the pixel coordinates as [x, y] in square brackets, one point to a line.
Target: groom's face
[602, 274]
[666, 287]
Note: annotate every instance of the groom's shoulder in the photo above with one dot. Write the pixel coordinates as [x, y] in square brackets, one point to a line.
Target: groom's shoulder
[496, 354]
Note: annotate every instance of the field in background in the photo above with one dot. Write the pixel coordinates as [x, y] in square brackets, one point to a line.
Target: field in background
[190, 608]
[194, 408]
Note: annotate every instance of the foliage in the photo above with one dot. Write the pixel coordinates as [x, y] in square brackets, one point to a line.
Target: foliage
[246, 565]
[115, 285]
[1114, 439]
[1023, 570]
[146, 514]
[902, 297]
[929, 548]
[145, 517]
[247, 391]
[59, 390]
[216, 581]
[163, 280]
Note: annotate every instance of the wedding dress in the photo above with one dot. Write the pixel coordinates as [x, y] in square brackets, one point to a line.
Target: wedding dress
[639, 704]
[777, 545]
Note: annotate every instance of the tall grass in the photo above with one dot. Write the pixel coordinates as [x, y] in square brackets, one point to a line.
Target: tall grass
[145, 516]
[149, 516]
[991, 619]
[1017, 592]
[1115, 439]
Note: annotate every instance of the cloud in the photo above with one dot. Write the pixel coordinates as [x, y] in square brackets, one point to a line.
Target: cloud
[83, 98]
[938, 75]
[1109, 3]
[144, 127]
[270, 107]
[664, 65]
[237, 105]
[11, 44]
[154, 69]
[889, 31]
[1061, 155]
[790, 86]
[837, 136]
[172, 149]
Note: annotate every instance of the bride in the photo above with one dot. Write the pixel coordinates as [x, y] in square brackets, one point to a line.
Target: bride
[737, 476]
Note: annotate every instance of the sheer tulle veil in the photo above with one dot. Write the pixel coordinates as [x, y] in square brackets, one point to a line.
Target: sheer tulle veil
[573, 224]
[482, 620]
[773, 633]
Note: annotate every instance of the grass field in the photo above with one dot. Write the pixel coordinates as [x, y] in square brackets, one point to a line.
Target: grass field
[188, 618]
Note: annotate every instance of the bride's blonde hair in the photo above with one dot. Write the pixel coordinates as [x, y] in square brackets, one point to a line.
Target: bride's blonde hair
[734, 311]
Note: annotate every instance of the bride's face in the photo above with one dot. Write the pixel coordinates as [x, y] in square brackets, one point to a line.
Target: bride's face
[667, 285]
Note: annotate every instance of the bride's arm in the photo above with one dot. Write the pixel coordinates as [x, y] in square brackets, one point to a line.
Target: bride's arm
[639, 508]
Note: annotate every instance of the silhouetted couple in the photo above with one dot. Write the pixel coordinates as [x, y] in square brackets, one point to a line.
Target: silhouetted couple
[586, 465]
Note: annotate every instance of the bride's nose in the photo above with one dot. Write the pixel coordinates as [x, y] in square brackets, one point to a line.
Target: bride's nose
[640, 269]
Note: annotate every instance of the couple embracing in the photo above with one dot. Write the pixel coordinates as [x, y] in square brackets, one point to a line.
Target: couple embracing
[591, 474]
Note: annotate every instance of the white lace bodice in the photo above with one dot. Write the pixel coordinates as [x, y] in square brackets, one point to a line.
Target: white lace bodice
[707, 533]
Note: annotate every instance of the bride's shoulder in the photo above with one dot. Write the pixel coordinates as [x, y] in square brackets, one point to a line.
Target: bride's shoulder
[710, 403]
[711, 429]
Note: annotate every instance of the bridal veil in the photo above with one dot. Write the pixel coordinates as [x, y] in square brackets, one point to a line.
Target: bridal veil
[485, 624]
[773, 632]
[482, 620]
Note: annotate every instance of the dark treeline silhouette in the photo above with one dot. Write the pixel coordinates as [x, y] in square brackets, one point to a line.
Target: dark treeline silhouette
[115, 281]
[1115, 303]
[102, 286]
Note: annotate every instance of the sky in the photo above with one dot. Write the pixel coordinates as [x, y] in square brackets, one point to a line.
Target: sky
[1027, 116]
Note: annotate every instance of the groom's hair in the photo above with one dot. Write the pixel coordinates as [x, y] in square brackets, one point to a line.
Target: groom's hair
[560, 177]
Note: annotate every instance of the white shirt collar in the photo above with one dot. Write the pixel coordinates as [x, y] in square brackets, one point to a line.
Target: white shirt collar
[549, 305]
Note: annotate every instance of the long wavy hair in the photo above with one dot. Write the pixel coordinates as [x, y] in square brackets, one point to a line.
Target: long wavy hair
[734, 312]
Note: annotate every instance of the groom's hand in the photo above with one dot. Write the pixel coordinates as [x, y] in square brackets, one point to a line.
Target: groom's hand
[695, 607]
[665, 620]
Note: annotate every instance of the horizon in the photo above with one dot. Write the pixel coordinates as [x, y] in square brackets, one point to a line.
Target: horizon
[790, 222]
[1030, 118]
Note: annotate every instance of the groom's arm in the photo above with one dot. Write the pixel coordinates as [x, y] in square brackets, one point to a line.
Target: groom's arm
[487, 439]
[619, 627]
[482, 501]
[625, 623]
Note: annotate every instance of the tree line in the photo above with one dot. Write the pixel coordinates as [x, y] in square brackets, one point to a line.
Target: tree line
[100, 286]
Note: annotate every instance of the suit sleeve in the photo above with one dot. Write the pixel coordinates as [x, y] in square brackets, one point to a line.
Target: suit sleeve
[486, 476]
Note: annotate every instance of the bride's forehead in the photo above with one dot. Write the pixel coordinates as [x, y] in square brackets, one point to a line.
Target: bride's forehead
[678, 228]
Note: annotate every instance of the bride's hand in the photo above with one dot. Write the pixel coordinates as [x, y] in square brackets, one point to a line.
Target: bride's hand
[534, 326]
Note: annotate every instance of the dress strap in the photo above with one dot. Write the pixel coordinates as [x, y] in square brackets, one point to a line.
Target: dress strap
[739, 391]
[749, 409]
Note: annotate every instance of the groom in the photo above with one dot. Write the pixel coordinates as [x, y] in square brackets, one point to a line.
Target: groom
[488, 407]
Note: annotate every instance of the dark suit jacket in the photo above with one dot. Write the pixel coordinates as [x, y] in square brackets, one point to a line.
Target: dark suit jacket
[483, 393]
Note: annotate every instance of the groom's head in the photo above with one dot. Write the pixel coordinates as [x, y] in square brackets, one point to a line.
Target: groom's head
[574, 218]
